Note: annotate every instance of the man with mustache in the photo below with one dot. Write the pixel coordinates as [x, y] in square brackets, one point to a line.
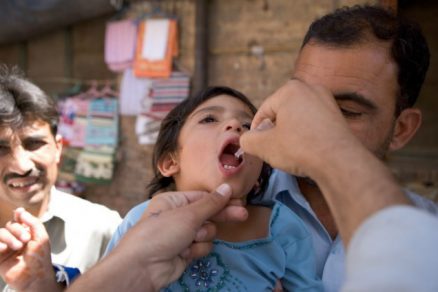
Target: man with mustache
[30, 151]
[374, 64]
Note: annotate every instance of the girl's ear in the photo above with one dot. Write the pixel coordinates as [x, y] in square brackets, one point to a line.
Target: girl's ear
[168, 165]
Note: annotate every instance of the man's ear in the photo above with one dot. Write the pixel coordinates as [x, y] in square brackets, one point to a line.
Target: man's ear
[168, 165]
[58, 144]
[406, 125]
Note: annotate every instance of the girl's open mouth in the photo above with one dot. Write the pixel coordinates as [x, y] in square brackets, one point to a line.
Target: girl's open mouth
[228, 160]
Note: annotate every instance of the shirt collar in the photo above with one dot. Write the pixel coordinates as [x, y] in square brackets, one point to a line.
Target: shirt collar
[289, 183]
[55, 208]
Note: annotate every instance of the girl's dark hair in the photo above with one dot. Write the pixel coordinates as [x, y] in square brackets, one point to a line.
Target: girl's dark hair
[167, 141]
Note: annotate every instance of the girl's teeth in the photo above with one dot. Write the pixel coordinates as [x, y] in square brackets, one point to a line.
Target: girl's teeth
[229, 166]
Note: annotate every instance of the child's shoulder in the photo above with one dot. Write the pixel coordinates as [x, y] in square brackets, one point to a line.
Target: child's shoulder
[135, 213]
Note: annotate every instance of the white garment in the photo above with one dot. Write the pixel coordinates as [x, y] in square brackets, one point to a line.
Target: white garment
[133, 91]
[394, 250]
[79, 230]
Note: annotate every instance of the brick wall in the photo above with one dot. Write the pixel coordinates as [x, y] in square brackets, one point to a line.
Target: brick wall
[238, 31]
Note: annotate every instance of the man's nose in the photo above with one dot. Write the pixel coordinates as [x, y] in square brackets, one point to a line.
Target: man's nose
[234, 125]
[21, 161]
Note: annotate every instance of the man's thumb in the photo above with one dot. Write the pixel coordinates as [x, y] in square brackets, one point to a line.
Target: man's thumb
[254, 141]
[209, 205]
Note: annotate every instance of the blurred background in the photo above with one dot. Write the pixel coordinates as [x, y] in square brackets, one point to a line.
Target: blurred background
[86, 52]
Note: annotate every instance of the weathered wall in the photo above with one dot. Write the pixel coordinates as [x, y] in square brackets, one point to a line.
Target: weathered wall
[417, 163]
[236, 30]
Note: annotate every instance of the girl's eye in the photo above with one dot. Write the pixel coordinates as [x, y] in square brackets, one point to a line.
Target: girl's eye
[246, 126]
[350, 114]
[208, 119]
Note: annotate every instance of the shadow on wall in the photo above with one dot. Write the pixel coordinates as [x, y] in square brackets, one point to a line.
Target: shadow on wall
[22, 19]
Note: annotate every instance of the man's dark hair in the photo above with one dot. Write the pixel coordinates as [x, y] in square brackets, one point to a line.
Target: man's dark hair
[349, 26]
[170, 129]
[21, 101]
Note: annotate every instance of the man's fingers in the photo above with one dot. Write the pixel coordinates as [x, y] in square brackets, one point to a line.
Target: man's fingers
[207, 232]
[171, 200]
[210, 204]
[9, 239]
[37, 229]
[19, 231]
[3, 247]
[266, 112]
[197, 250]
[271, 105]
[252, 141]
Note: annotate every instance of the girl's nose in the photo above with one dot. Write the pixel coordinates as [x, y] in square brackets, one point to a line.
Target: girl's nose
[234, 125]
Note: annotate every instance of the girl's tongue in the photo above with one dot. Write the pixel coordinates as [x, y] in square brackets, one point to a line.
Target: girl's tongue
[228, 157]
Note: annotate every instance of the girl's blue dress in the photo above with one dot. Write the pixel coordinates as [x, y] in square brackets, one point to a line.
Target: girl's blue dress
[255, 265]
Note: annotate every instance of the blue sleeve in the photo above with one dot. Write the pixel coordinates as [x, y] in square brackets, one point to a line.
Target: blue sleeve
[130, 220]
[300, 270]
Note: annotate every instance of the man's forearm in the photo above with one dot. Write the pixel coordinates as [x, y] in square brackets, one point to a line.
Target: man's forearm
[116, 272]
[356, 185]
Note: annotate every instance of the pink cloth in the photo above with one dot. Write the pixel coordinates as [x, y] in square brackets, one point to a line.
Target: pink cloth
[120, 43]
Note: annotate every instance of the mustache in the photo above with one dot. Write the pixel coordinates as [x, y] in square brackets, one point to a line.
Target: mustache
[30, 172]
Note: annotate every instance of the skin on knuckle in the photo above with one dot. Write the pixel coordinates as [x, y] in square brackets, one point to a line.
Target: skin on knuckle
[177, 200]
[200, 249]
[205, 232]
[192, 220]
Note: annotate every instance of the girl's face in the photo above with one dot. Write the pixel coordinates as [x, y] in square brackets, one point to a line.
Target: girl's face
[206, 146]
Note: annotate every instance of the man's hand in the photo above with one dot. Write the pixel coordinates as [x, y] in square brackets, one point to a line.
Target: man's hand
[158, 248]
[300, 130]
[25, 261]
[295, 127]
[233, 211]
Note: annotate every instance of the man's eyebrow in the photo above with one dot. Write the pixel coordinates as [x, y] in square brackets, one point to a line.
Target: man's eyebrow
[357, 98]
[35, 137]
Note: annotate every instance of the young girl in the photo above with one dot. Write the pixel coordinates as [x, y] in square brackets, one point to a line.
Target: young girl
[196, 150]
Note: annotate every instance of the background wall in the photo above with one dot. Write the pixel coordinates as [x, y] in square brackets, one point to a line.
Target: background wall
[252, 47]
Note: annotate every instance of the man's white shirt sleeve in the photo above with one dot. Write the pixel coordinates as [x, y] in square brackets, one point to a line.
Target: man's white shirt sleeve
[394, 250]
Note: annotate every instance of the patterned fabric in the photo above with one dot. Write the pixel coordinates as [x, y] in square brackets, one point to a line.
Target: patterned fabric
[164, 95]
[90, 123]
[146, 64]
[95, 165]
[102, 123]
[120, 41]
[132, 92]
